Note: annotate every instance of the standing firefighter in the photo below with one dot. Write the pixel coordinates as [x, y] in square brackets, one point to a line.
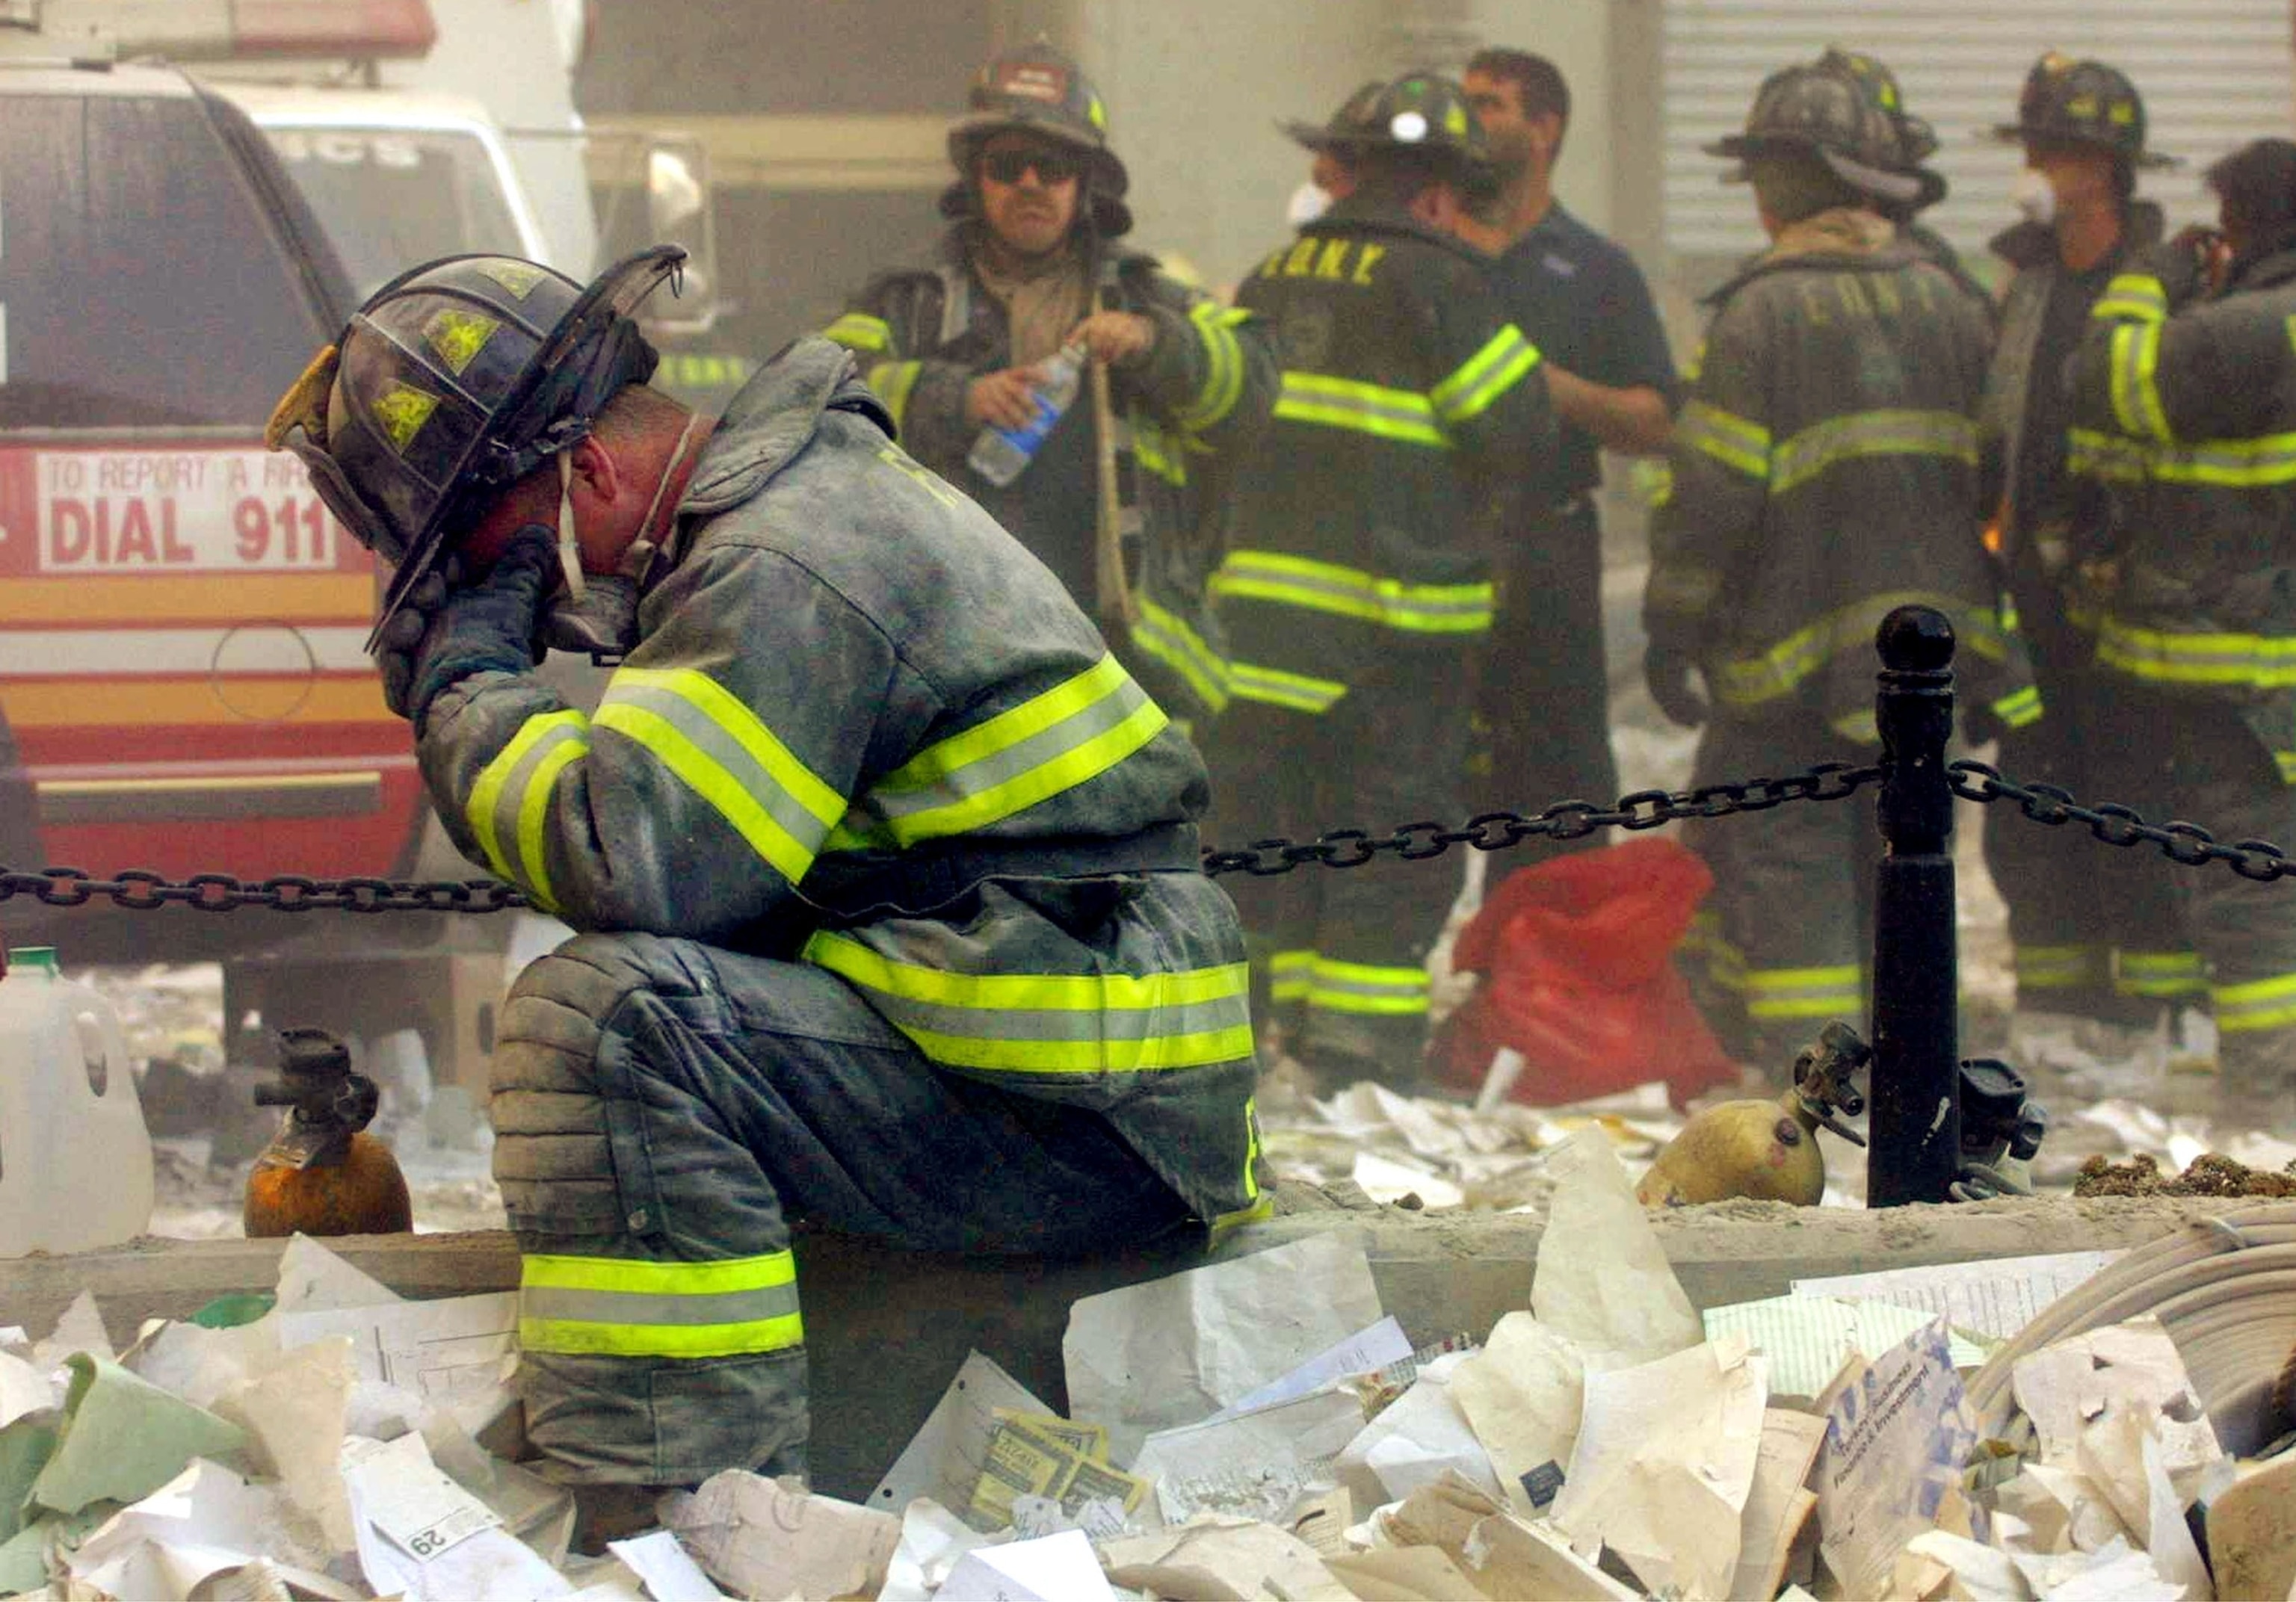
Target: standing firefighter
[1114, 500]
[886, 870]
[1360, 576]
[2198, 631]
[1824, 472]
[2096, 942]
[1918, 142]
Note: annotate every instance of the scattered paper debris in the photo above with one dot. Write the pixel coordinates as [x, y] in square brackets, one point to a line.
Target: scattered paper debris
[1178, 1350]
[1521, 1393]
[1059, 1568]
[1897, 1432]
[943, 1460]
[1418, 1442]
[1255, 1465]
[669, 1575]
[1998, 1297]
[768, 1538]
[1664, 1462]
[1603, 1281]
[1211, 1557]
[1808, 1338]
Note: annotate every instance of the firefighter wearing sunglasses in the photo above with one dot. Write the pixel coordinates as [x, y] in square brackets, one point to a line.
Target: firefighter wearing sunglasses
[1115, 497]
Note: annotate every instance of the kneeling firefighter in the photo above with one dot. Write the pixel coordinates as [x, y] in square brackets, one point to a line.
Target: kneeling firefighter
[886, 872]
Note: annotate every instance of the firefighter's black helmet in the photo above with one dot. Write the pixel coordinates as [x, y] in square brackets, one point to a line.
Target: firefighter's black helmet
[1917, 141]
[1037, 90]
[455, 379]
[1420, 111]
[2086, 103]
[1830, 114]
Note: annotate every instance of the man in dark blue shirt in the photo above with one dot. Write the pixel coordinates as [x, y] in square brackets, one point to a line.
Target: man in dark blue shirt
[1544, 700]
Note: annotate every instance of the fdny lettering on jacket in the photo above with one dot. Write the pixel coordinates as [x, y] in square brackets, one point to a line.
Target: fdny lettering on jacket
[1338, 260]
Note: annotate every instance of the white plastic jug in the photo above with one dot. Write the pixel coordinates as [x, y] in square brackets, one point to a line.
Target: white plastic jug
[75, 1158]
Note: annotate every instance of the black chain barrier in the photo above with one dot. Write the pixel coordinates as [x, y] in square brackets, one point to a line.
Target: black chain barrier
[136, 890]
[2188, 844]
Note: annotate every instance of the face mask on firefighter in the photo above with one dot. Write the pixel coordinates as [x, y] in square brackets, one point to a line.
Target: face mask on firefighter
[2035, 196]
[598, 614]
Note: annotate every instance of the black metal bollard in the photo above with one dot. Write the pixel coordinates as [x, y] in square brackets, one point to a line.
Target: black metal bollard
[1916, 1123]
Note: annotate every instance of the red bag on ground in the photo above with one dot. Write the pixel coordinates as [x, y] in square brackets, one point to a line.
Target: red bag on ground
[1574, 954]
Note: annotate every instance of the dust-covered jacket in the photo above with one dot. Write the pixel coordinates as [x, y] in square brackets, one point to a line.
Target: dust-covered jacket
[862, 730]
[1412, 415]
[2200, 599]
[1824, 472]
[1186, 414]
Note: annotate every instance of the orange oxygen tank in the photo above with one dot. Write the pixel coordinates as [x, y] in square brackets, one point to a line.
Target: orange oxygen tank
[321, 1174]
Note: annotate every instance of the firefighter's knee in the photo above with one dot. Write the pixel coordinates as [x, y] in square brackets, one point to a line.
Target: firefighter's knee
[561, 1104]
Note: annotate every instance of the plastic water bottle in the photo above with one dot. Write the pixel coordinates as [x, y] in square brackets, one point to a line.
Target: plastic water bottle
[75, 1158]
[1001, 455]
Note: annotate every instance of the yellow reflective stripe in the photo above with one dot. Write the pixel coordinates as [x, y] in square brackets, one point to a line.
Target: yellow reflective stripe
[2137, 295]
[1502, 364]
[1288, 973]
[1350, 592]
[1788, 992]
[2267, 662]
[2058, 966]
[1055, 742]
[2286, 762]
[1257, 1206]
[1223, 383]
[1366, 988]
[2269, 458]
[2258, 1004]
[724, 753]
[858, 330]
[1319, 399]
[623, 1307]
[893, 382]
[1781, 669]
[1052, 1023]
[1148, 443]
[2020, 709]
[514, 789]
[2107, 456]
[1733, 441]
[1165, 636]
[2160, 974]
[2135, 389]
[1809, 453]
[1273, 687]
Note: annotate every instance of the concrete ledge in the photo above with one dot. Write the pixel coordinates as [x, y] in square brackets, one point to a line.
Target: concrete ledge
[888, 1328]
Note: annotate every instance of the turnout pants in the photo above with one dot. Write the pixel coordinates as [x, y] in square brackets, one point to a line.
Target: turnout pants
[2095, 933]
[2209, 765]
[1344, 950]
[663, 1110]
[1542, 693]
[1780, 947]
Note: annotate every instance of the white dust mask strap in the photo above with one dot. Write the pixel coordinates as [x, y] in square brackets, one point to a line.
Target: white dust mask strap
[569, 553]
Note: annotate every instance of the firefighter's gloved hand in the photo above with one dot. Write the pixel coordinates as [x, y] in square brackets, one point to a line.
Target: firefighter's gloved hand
[488, 626]
[1669, 671]
[394, 656]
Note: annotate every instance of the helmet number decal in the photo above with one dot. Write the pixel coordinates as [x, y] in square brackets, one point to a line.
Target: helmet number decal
[400, 412]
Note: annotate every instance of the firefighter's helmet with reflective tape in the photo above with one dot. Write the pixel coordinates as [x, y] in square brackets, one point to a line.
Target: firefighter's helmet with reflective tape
[1917, 141]
[2070, 102]
[1037, 90]
[1422, 112]
[455, 380]
[1831, 114]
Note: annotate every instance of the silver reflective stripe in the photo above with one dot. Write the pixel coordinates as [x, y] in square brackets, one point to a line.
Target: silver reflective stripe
[1881, 433]
[1087, 722]
[1060, 1023]
[639, 1307]
[757, 783]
